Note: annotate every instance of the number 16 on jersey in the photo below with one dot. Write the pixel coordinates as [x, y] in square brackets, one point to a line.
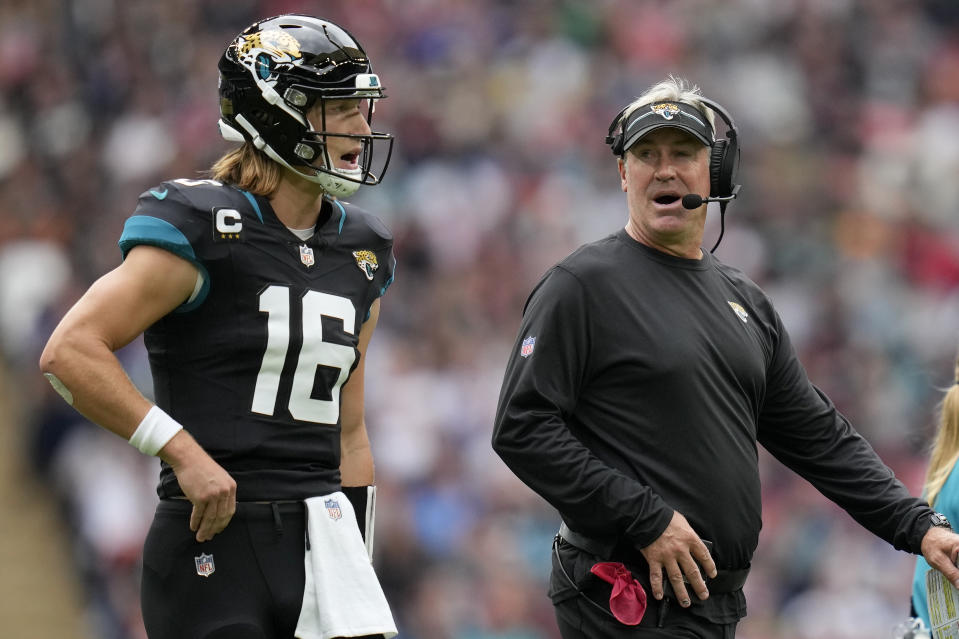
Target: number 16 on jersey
[275, 301]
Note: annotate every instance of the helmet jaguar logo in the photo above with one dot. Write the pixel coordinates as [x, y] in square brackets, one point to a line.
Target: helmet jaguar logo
[665, 109]
[366, 261]
[259, 51]
[273, 41]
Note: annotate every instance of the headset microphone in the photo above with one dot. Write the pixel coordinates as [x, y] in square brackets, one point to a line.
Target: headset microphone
[693, 201]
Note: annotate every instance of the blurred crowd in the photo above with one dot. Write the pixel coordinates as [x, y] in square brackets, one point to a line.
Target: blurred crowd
[848, 114]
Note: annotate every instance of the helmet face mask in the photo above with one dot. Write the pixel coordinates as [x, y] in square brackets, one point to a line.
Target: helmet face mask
[272, 78]
[314, 151]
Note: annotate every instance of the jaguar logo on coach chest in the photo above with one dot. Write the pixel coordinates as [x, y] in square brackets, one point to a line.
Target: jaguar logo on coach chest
[739, 310]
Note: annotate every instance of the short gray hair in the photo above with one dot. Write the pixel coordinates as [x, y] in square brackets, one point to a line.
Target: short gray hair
[673, 89]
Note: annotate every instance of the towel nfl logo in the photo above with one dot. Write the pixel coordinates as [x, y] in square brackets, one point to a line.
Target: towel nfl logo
[527, 348]
[204, 565]
[333, 508]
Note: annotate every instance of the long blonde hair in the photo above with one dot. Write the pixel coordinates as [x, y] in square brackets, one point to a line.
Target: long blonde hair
[945, 448]
[248, 168]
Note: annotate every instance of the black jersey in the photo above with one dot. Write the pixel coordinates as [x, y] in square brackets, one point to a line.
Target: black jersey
[640, 384]
[253, 363]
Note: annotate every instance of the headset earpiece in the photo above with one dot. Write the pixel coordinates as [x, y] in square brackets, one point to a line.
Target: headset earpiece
[614, 138]
[719, 184]
[724, 155]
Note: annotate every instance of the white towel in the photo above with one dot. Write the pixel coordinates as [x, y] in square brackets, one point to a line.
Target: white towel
[343, 597]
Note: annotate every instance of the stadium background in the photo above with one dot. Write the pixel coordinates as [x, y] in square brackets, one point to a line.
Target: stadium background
[849, 119]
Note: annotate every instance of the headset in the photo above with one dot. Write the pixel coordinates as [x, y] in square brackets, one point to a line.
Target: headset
[723, 156]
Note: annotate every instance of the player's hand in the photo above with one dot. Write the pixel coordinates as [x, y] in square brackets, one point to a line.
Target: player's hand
[676, 553]
[940, 547]
[209, 488]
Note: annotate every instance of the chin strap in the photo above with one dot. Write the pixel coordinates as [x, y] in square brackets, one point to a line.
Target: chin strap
[335, 186]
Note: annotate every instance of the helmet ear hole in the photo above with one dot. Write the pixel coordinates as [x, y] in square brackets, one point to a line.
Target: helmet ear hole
[262, 118]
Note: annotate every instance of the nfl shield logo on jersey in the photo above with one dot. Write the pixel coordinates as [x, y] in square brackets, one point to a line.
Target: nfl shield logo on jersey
[527, 348]
[333, 508]
[306, 255]
[204, 565]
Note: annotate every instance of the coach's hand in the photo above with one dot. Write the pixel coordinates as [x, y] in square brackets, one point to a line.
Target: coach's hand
[676, 552]
[209, 488]
[940, 547]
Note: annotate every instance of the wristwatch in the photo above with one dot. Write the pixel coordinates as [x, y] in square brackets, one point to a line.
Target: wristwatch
[940, 521]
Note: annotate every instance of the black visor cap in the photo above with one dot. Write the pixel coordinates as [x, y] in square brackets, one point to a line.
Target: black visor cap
[659, 115]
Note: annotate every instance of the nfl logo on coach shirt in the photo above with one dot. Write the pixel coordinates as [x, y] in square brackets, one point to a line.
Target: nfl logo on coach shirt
[204, 565]
[333, 508]
[527, 348]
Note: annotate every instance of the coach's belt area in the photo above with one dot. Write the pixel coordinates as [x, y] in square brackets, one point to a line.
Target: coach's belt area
[724, 581]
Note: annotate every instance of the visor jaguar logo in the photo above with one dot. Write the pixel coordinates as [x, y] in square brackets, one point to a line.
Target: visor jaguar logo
[665, 109]
[366, 261]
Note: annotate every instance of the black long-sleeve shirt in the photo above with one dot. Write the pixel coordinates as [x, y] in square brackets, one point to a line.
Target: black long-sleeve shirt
[640, 384]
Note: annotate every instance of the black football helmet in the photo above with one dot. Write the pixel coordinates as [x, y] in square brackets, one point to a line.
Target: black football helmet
[274, 72]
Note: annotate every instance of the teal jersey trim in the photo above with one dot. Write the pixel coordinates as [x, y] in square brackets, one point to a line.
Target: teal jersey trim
[256, 207]
[145, 229]
[342, 216]
[389, 281]
[383, 289]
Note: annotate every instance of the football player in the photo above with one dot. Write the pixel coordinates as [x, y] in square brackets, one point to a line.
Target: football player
[257, 292]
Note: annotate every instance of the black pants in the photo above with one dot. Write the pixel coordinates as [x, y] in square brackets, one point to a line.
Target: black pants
[255, 589]
[578, 620]
[587, 616]
[255, 574]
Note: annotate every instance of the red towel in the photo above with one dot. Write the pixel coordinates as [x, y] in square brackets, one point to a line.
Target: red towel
[627, 601]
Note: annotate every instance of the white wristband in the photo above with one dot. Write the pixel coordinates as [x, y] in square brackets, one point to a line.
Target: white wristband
[155, 430]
